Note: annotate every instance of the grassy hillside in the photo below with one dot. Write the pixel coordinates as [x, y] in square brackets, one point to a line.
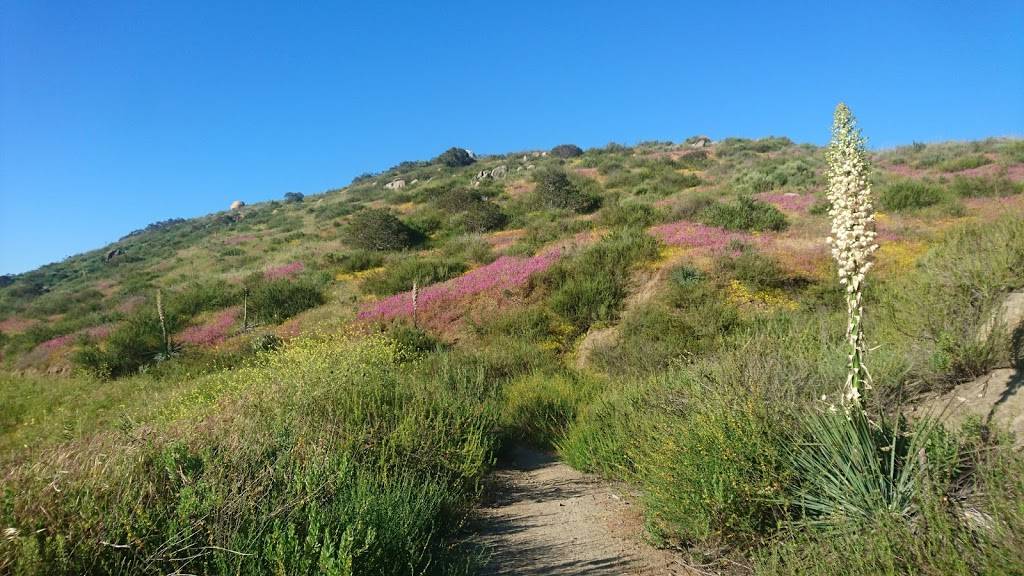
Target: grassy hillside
[665, 314]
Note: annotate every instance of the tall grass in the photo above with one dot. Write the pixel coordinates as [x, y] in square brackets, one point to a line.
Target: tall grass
[324, 458]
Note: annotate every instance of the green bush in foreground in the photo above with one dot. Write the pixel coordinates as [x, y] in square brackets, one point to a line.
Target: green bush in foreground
[324, 458]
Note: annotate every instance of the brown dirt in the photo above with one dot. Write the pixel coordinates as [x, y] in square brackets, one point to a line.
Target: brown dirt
[544, 517]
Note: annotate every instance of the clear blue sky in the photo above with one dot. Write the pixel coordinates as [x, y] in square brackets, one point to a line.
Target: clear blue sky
[114, 115]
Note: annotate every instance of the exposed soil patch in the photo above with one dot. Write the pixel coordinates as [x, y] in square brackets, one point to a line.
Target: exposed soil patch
[543, 517]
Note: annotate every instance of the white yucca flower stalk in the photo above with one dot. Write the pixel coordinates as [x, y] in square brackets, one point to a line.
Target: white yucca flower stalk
[163, 321]
[852, 240]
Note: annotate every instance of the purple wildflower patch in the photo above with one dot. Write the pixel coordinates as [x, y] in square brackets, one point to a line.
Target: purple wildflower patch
[212, 332]
[788, 201]
[58, 342]
[694, 235]
[504, 273]
[284, 271]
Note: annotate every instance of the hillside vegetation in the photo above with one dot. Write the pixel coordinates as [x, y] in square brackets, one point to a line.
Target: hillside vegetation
[319, 385]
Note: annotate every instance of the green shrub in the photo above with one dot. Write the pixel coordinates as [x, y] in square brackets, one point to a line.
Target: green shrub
[566, 151]
[755, 270]
[745, 213]
[937, 310]
[685, 276]
[689, 321]
[136, 343]
[739, 146]
[355, 261]
[851, 471]
[197, 297]
[455, 157]
[537, 408]
[274, 301]
[483, 217]
[590, 287]
[456, 199]
[776, 174]
[658, 177]
[627, 213]
[556, 190]
[400, 275]
[602, 436]
[945, 537]
[469, 248]
[904, 195]
[293, 197]
[711, 466]
[325, 457]
[980, 187]
[378, 229]
[412, 339]
[964, 163]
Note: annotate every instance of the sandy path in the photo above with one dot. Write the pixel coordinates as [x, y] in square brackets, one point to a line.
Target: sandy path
[544, 517]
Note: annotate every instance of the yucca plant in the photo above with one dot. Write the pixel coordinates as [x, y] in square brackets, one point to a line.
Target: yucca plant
[853, 469]
[853, 466]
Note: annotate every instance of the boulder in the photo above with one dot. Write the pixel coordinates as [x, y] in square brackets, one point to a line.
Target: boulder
[499, 172]
[1010, 315]
[395, 185]
[994, 399]
[698, 141]
[237, 205]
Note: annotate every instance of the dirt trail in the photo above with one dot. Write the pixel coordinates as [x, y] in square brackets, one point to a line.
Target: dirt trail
[543, 517]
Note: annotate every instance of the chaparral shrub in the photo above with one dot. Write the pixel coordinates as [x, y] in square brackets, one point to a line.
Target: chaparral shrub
[483, 216]
[906, 195]
[379, 229]
[746, 214]
[400, 276]
[566, 151]
[455, 157]
[556, 190]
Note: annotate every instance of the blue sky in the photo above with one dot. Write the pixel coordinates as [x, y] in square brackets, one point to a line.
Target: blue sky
[114, 115]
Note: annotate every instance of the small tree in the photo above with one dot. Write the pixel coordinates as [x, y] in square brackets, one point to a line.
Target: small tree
[484, 216]
[455, 157]
[379, 229]
[556, 190]
[290, 197]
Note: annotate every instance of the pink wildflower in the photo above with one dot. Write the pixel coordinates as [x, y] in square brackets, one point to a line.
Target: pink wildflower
[504, 273]
[789, 202]
[694, 235]
[58, 342]
[212, 332]
[284, 271]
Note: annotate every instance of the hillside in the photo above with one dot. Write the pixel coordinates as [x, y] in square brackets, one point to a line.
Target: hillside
[320, 384]
[466, 217]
